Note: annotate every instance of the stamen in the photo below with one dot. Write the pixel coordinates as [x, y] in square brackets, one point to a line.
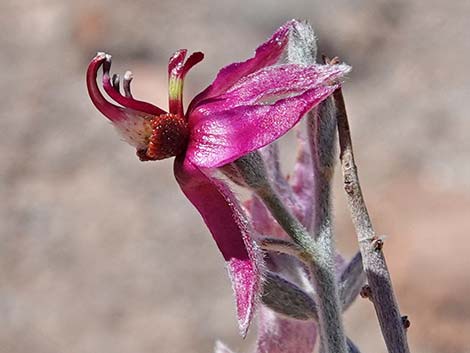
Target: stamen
[111, 111]
[126, 83]
[116, 82]
[126, 101]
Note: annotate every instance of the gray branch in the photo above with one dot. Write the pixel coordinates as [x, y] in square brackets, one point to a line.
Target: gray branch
[370, 245]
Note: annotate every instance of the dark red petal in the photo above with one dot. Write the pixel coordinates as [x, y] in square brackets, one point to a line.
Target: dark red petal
[226, 221]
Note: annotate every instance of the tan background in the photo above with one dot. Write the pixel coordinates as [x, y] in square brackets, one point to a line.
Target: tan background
[101, 253]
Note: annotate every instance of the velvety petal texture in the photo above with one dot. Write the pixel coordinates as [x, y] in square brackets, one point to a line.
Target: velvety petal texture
[218, 137]
[278, 81]
[230, 229]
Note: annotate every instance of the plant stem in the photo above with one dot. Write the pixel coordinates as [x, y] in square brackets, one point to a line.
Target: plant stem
[370, 245]
[322, 269]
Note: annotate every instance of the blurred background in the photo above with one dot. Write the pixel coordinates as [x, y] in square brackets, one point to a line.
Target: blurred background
[102, 253]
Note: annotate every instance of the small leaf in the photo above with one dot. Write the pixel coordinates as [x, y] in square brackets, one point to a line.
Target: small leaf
[286, 298]
[351, 281]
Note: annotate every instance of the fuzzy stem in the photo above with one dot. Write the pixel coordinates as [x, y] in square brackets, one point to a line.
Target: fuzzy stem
[322, 137]
[374, 263]
[321, 128]
[322, 269]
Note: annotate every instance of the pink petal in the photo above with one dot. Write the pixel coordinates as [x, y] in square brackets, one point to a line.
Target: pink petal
[303, 182]
[220, 137]
[266, 54]
[281, 335]
[262, 221]
[225, 219]
[270, 155]
[278, 81]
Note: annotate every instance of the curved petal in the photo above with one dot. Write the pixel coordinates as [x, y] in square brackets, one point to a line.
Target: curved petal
[226, 221]
[266, 54]
[278, 81]
[220, 137]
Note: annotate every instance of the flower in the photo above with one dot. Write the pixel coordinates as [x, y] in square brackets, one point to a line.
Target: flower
[247, 106]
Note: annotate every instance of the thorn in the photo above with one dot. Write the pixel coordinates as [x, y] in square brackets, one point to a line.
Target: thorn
[348, 187]
[329, 61]
[378, 243]
[406, 322]
[366, 292]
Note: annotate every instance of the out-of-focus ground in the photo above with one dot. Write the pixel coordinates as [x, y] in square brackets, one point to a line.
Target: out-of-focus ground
[102, 253]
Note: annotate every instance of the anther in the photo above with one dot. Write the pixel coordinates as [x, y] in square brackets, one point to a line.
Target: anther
[115, 82]
[126, 83]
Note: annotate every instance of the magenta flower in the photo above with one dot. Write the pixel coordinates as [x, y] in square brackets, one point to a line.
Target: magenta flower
[249, 105]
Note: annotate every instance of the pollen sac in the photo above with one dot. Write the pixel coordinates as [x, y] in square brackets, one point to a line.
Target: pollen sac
[168, 139]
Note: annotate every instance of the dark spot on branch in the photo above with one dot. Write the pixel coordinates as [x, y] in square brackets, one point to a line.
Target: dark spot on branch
[366, 292]
[377, 243]
[406, 322]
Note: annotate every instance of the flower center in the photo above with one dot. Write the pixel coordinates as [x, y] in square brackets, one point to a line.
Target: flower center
[168, 138]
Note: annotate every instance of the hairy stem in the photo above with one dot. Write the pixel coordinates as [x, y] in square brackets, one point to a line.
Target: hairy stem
[322, 269]
[321, 128]
[370, 245]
